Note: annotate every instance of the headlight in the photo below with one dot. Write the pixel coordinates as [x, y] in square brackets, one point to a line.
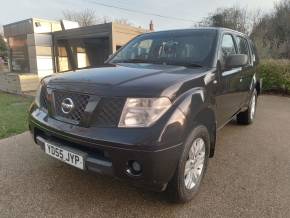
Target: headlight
[143, 112]
[37, 96]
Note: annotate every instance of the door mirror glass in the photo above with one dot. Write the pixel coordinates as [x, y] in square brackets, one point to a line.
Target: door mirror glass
[236, 60]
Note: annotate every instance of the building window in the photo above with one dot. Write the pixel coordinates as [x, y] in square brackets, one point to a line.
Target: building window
[83, 53]
[19, 54]
[118, 47]
[63, 59]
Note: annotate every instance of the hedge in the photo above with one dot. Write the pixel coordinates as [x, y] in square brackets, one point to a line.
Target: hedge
[275, 75]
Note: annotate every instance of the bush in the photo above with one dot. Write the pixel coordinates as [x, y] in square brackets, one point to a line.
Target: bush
[275, 75]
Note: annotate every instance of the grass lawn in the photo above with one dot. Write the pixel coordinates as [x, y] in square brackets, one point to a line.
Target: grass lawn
[13, 114]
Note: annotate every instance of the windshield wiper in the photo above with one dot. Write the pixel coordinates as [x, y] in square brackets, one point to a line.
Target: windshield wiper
[184, 64]
[192, 65]
[131, 61]
[158, 62]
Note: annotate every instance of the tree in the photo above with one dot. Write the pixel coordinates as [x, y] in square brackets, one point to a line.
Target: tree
[123, 21]
[281, 26]
[272, 32]
[87, 17]
[233, 17]
[3, 46]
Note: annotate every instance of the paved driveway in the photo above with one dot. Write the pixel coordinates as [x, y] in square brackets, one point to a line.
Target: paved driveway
[249, 177]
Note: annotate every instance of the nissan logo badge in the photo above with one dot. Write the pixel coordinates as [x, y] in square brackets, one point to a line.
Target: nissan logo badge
[67, 105]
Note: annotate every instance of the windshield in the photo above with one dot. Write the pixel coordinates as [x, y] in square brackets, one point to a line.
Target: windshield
[187, 48]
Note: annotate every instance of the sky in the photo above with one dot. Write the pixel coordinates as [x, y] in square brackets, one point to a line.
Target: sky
[189, 10]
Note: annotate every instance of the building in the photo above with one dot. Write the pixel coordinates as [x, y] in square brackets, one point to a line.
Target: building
[30, 45]
[90, 46]
[39, 47]
[30, 57]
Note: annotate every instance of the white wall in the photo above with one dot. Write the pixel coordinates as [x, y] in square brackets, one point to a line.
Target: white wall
[40, 53]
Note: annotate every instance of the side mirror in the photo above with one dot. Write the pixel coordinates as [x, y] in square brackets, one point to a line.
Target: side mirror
[236, 60]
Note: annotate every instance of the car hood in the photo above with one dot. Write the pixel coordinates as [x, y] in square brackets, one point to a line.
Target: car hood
[127, 79]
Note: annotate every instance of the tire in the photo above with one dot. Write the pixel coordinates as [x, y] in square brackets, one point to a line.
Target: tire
[179, 188]
[247, 117]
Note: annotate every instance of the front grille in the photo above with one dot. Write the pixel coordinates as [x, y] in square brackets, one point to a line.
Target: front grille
[43, 98]
[108, 112]
[80, 102]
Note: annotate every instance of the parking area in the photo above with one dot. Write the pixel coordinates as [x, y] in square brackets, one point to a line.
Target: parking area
[248, 177]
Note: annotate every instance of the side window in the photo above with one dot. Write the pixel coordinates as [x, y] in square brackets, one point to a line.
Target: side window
[253, 51]
[242, 44]
[228, 45]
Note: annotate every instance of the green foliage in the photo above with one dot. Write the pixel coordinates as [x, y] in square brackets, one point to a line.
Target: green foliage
[275, 75]
[13, 114]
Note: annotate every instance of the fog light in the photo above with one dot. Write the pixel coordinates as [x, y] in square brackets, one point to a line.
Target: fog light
[134, 168]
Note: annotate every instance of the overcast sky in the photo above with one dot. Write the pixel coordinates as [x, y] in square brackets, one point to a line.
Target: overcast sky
[15, 10]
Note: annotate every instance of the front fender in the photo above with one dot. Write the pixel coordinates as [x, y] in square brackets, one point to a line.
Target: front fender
[187, 110]
[194, 102]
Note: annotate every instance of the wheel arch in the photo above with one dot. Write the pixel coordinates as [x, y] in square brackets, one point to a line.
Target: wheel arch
[258, 87]
[198, 108]
[207, 118]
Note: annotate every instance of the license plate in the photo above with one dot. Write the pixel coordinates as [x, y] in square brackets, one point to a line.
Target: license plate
[64, 155]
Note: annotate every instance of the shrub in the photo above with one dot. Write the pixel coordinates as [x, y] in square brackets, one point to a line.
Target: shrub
[275, 75]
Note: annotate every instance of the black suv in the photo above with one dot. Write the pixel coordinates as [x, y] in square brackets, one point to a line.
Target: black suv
[151, 113]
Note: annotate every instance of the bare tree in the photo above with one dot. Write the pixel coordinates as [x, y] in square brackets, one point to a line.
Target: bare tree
[233, 17]
[272, 32]
[87, 17]
[106, 19]
[3, 45]
[281, 26]
[123, 21]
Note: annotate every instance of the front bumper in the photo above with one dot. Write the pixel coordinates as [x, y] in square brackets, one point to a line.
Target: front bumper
[111, 157]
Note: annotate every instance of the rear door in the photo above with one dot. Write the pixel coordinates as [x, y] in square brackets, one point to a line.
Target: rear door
[228, 95]
[247, 72]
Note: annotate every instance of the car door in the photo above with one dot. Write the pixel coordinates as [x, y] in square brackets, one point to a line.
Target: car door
[247, 73]
[228, 95]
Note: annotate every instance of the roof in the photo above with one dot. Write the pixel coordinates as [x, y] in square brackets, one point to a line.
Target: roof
[30, 20]
[220, 29]
[104, 29]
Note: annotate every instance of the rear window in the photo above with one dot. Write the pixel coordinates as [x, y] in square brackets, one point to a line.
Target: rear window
[242, 44]
[243, 47]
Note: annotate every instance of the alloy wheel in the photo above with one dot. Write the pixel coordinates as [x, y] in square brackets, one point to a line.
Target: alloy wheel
[195, 163]
[253, 107]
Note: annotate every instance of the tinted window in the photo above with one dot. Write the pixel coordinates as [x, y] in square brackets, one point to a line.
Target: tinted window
[177, 48]
[228, 45]
[242, 45]
[253, 51]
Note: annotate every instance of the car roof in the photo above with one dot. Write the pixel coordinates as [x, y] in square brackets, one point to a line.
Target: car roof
[188, 30]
